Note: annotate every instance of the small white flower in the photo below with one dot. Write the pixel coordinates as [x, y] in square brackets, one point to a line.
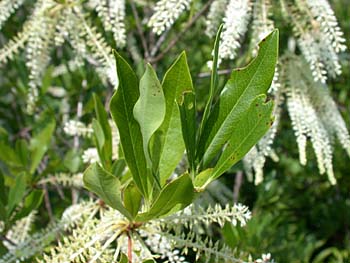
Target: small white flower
[266, 257]
[166, 13]
[115, 140]
[77, 128]
[90, 156]
[214, 18]
[235, 25]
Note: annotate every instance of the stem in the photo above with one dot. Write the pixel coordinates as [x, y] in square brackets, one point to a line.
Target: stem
[129, 248]
[74, 191]
[105, 246]
[47, 202]
[237, 186]
[159, 43]
[178, 37]
[220, 72]
[139, 28]
[4, 238]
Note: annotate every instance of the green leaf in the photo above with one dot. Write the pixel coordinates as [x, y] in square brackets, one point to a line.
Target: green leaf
[149, 110]
[31, 202]
[118, 167]
[202, 179]
[251, 127]
[187, 108]
[40, 143]
[213, 79]
[132, 199]
[175, 196]
[8, 155]
[121, 108]
[170, 145]
[106, 186]
[16, 193]
[72, 161]
[3, 134]
[99, 134]
[236, 97]
[22, 151]
[3, 249]
[3, 212]
[99, 141]
[3, 198]
[105, 145]
[123, 258]
[3, 192]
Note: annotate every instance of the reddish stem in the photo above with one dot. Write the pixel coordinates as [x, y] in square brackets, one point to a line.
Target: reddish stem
[129, 248]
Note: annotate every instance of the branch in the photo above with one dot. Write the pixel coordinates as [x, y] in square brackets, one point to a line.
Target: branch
[159, 43]
[4, 238]
[47, 202]
[237, 186]
[220, 72]
[139, 28]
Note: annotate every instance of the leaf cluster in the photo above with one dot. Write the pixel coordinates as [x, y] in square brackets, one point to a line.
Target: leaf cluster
[18, 174]
[157, 121]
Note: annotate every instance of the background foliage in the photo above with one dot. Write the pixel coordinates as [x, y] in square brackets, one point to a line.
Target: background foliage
[298, 216]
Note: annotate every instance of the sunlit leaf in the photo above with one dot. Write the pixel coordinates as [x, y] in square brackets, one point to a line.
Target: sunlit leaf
[121, 107]
[236, 97]
[106, 186]
[169, 145]
[175, 196]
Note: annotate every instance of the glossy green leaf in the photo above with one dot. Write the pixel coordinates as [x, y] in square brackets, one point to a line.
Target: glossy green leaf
[132, 199]
[252, 126]
[17, 192]
[149, 109]
[236, 97]
[118, 167]
[175, 196]
[170, 146]
[40, 143]
[106, 186]
[121, 107]
[202, 179]
[187, 108]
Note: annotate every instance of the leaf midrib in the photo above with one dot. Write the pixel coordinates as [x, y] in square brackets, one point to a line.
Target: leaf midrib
[242, 142]
[239, 99]
[101, 186]
[172, 194]
[171, 115]
[132, 138]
